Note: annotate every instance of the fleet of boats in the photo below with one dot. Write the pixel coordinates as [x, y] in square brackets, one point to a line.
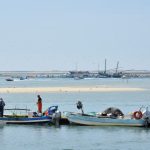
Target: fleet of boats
[12, 78]
[109, 117]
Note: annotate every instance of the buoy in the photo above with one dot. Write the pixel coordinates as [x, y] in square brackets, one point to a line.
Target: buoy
[137, 115]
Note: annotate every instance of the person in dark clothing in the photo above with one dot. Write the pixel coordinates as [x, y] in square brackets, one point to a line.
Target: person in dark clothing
[2, 104]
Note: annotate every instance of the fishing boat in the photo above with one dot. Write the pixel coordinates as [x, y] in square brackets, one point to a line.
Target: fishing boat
[31, 117]
[85, 119]
[137, 119]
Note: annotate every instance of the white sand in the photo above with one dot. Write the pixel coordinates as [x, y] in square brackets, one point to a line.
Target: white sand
[67, 89]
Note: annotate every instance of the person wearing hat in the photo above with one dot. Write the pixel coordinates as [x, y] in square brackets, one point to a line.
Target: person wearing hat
[39, 104]
[2, 104]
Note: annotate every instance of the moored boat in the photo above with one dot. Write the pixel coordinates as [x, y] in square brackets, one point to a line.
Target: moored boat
[110, 117]
[31, 118]
[85, 119]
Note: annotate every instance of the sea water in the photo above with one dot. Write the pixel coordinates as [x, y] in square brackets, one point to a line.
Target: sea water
[35, 137]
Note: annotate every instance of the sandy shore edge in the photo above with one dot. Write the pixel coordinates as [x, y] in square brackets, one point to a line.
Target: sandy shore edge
[67, 89]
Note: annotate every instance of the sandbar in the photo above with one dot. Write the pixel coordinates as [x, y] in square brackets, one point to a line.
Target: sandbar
[68, 89]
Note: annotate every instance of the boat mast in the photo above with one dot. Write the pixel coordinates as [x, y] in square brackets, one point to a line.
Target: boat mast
[117, 67]
[105, 66]
[98, 67]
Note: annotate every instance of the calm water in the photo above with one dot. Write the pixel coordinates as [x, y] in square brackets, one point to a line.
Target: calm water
[76, 137]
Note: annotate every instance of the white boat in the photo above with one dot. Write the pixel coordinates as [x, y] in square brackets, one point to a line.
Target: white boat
[85, 119]
[110, 117]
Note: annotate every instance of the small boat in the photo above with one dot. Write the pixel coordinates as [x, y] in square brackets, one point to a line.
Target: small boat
[23, 78]
[78, 78]
[31, 118]
[138, 119]
[85, 119]
[9, 79]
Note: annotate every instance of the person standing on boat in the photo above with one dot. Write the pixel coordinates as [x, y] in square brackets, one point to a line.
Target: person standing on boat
[2, 104]
[39, 104]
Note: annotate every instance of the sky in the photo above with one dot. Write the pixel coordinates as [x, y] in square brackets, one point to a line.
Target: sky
[44, 35]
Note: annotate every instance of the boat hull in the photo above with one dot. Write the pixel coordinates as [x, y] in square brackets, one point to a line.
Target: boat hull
[25, 120]
[103, 121]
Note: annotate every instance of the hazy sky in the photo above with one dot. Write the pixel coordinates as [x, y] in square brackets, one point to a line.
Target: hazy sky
[70, 34]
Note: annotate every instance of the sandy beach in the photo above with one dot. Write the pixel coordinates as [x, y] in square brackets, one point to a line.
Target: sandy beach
[67, 89]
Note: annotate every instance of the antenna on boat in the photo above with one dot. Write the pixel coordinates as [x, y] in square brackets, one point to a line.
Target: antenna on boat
[117, 67]
[80, 106]
[98, 67]
[105, 66]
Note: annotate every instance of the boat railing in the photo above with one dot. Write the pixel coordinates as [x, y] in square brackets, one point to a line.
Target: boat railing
[16, 112]
[17, 109]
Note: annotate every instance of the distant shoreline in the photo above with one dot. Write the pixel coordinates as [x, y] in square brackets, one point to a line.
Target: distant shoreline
[68, 89]
[73, 74]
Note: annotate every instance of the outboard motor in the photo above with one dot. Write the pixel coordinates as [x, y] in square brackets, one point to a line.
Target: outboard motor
[56, 118]
[51, 110]
[55, 114]
[80, 106]
[146, 117]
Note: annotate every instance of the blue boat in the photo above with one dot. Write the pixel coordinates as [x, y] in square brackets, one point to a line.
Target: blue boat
[25, 120]
[31, 118]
